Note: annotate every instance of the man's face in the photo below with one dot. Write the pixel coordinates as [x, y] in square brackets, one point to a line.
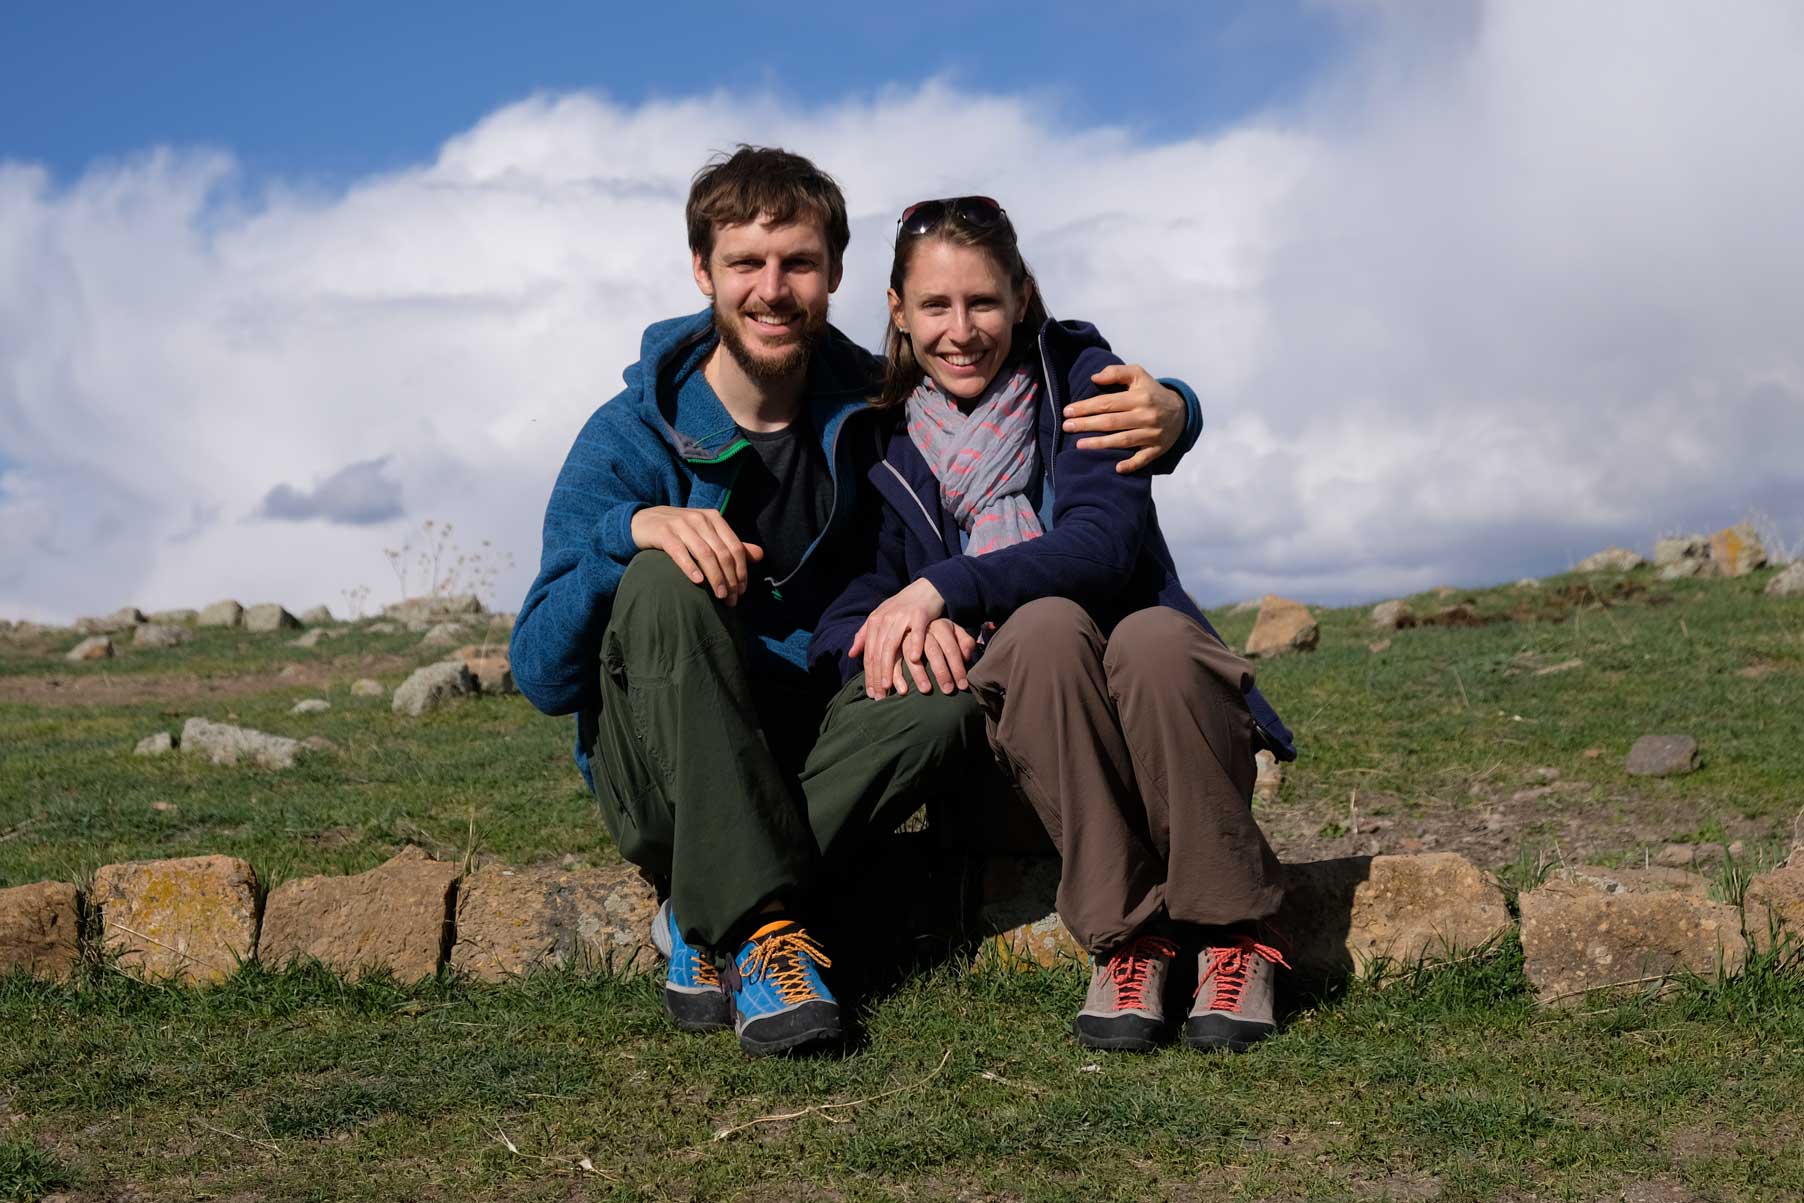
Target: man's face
[769, 285]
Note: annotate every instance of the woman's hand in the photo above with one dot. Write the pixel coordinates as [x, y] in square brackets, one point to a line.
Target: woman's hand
[1145, 415]
[895, 636]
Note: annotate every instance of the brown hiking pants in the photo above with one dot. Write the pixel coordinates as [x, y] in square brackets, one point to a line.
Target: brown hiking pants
[1136, 751]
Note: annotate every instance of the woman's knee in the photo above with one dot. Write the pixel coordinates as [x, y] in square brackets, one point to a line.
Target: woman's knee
[1148, 642]
[1054, 628]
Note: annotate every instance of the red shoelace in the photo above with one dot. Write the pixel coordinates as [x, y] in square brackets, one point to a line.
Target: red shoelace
[1130, 965]
[1229, 967]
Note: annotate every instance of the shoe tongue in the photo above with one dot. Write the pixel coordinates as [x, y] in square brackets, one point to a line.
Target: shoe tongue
[773, 927]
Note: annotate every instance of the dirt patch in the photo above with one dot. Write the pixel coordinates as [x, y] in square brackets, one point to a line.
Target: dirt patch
[1556, 605]
[1493, 823]
[106, 689]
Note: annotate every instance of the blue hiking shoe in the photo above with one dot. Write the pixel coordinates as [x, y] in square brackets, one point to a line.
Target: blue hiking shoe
[779, 1000]
[693, 997]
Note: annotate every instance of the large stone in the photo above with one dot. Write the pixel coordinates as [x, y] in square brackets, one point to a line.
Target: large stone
[94, 647]
[433, 609]
[1594, 932]
[174, 618]
[395, 917]
[221, 614]
[1680, 549]
[1789, 583]
[1736, 550]
[223, 743]
[1282, 626]
[1346, 915]
[310, 706]
[1610, 559]
[269, 616]
[1393, 616]
[514, 920]
[493, 674]
[317, 616]
[310, 638]
[112, 624]
[1681, 570]
[1016, 916]
[1775, 901]
[40, 930]
[1663, 756]
[191, 919]
[156, 634]
[432, 687]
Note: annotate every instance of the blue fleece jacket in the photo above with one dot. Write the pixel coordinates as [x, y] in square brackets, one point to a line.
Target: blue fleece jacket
[1101, 545]
[648, 447]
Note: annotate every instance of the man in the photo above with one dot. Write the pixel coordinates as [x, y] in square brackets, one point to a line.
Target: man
[700, 525]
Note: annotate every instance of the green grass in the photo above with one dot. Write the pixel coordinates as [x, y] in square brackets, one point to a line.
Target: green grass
[1436, 1082]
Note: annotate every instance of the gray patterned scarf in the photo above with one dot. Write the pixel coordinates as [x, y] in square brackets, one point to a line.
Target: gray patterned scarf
[983, 459]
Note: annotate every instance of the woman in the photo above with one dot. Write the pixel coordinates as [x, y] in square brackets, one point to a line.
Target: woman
[1111, 704]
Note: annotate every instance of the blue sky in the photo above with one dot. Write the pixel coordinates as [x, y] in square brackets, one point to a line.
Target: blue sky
[335, 90]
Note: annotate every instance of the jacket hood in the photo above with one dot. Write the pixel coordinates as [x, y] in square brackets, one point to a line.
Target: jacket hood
[839, 370]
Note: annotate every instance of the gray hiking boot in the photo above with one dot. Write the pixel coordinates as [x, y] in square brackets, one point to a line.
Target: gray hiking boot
[1235, 983]
[1125, 1008]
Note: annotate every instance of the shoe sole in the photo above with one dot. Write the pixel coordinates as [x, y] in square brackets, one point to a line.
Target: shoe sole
[718, 1021]
[1142, 1037]
[1212, 1038]
[822, 1030]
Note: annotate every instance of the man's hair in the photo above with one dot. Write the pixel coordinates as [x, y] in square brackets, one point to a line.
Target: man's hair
[763, 182]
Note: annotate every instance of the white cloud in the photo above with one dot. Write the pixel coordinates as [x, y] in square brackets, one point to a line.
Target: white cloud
[1507, 287]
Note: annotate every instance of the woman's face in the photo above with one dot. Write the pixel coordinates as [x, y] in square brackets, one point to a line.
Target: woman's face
[960, 311]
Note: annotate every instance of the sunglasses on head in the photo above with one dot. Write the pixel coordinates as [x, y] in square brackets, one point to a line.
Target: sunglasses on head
[981, 212]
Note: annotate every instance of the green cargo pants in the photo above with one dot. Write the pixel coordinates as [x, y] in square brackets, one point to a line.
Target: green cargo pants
[738, 790]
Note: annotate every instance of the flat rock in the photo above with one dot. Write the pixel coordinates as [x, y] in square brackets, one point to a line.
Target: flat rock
[112, 624]
[223, 743]
[1016, 915]
[444, 634]
[1393, 616]
[1775, 900]
[317, 616]
[270, 617]
[191, 919]
[310, 638]
[396, 917]
[384, 628]
[1681, 570]
[1282, 626]
[1649, 879]
[1663, 756]
[159, 744]
[40, 930]
[1789, 583]
[1610, 559]
[221, 614]
[1736, 550]
[511, 921]
[1681, 548]
[1344, 915]
[158, 634]
[433, 609]
[1580, 940]
[432, 687]
[310, 706]
[174, 618]
[367, 688]
[94, 647]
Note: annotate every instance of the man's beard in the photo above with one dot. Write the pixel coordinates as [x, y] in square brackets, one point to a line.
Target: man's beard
[793, 358]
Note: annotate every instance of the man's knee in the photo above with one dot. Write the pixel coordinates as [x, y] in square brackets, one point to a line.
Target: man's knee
[654, 578]
[932, 723]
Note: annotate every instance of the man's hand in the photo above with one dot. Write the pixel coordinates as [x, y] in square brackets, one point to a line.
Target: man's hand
[700, 543]
[948, 651]
[897, 631]
[1145, 415]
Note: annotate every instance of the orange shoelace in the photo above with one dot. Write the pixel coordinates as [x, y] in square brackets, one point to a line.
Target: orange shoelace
[705, 972]
[778, 948]
[1130, 965]
[1230, 965]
